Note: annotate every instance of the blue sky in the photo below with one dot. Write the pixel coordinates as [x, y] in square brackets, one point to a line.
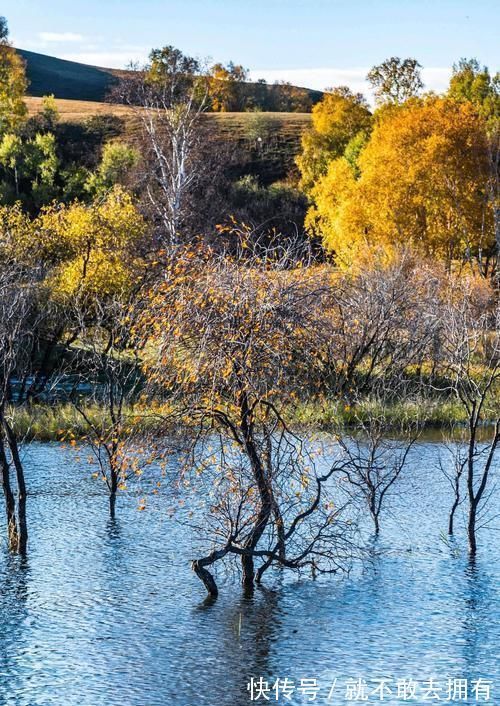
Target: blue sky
[317, 43]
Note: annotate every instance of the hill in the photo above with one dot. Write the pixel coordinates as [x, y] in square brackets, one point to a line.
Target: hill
[70, 80]
[66, 79]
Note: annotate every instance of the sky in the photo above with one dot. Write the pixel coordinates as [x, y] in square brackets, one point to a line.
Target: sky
[313, 43]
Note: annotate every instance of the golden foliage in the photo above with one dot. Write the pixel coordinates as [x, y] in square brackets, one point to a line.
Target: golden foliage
[336, 120]
[425, 179]
[87, 248]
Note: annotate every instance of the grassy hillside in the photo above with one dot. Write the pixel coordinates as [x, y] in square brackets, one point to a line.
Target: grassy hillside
[66, 79]
[271, 159]
[77, 111]
[235, 124]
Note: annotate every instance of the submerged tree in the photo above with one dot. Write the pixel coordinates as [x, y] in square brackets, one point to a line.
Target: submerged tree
[457, 452]
[114, 425]
[236, 340]
[375, 461]
[18, 314]
[471, 361]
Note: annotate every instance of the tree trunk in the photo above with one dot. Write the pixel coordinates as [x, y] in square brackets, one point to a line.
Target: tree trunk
[248, 567]
[206, 577]
[263, 486]
[471, 530]
[452, 514]
[112, 494]
[112, 505]
[374, 513]
[10, 503]
[21, 487]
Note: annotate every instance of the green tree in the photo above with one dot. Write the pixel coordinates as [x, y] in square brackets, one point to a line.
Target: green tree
[4, 30]
[472, 82]
[117, 160]
[395, 80]
[31, 168]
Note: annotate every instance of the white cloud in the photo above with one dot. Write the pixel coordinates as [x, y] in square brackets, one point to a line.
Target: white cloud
[60, 37]
[436, 78]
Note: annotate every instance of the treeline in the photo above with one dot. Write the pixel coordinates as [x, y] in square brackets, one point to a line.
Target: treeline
[186, 316]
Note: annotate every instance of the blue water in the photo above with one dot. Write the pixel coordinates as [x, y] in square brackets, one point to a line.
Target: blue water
[108, 613]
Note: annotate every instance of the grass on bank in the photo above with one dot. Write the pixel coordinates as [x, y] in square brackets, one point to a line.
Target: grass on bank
[63, 421]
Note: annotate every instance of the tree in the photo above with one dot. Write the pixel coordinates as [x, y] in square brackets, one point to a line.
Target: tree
[13, 84]
[470, 360]
[375, 462]
[472, 82]
[94, 249]
[232, 340]
[18, 313]
[107, 360]
[425, 180]
[31, 168]
[225, 87]
[4, 29]
[117, 160]
[395, 80]
[170, 94]
[457, 452]
[382, 323]
[49, 114]
[286, 98]
[338, 118]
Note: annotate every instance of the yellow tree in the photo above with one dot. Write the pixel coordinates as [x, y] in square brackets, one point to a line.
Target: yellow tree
[224, 87]
[87, 250]
[93, 245]
[336, 120]
[12, 84]
[424, 180]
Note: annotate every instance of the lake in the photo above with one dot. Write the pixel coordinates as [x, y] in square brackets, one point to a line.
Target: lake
[108, 613]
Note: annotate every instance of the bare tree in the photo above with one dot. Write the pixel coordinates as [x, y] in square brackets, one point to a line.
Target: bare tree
[383, 320]
[169, 95]
[107, 361]
[471, 362]
[375, 461]
[18, 314]
[235, 339]
[454, 472]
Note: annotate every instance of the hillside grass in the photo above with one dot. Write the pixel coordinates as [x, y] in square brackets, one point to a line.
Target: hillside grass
[234, 123]
[77, 111]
